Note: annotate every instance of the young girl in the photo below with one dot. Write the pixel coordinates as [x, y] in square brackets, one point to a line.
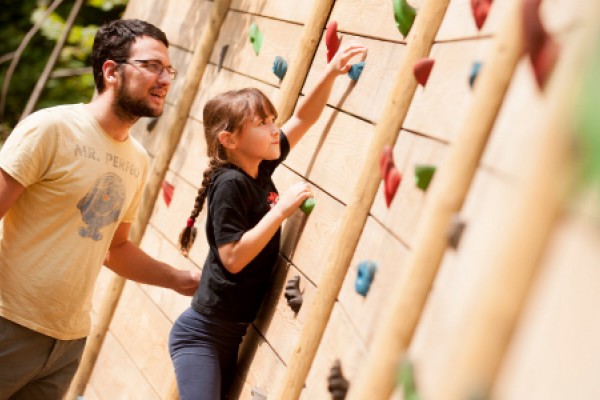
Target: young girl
[243, 223]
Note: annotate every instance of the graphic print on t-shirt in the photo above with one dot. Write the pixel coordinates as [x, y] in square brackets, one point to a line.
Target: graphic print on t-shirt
[273, 198]
[102, 205]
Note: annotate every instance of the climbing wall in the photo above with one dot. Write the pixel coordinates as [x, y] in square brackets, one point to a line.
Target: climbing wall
[552, 353]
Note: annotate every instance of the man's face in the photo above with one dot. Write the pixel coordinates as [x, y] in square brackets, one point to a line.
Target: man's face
[144, 81]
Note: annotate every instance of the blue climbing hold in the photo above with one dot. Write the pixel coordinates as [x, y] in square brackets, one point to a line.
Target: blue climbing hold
[364, 277]
[474, 72]
[356, 70]
[279, 67]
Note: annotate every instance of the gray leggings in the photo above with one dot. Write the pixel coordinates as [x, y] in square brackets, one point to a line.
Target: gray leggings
[204, 352]
[35, 366]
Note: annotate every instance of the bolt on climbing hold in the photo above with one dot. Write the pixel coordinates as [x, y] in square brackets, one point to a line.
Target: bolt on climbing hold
[256, 37]
[258, 393]
[293, 294]
[455, 231]
[480, 10]
[332, 41]
[279, 67]
[474, 72]
[542, 49]
[422, 69]
[389, 174]
[423, 176]
[222, 57]
[151, 124]
[356, 70]
[364, 277]
[307, 205]
[167, 190]
[406, 377]
[337, 384]
[404, 15]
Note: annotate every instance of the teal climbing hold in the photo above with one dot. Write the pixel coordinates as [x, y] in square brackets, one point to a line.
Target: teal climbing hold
[364, 277]
[423, 176]
[474, 72]
[280, 67]
[404, 15]
[356, 70]
[307, 205]
[256, 37]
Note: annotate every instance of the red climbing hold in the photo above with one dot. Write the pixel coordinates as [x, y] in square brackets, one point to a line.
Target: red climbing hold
[332, 41]
[542, 49]
[422, 69]
[480, 9]
[390, 175]
[168, 190]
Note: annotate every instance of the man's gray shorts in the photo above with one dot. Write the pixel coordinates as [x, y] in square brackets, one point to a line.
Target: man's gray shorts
[35, 366]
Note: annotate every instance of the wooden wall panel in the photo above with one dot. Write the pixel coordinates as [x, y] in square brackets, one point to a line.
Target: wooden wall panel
[279, 39]
[438, 109]
[378, 245]
[215, 82]
[183, 21]
[340, 341]
[278, 9]
[117, 377]
[371, 18]
[488, 203]
[190, 159]
[366, 97]
[142, 329]
[460, 24]
[557, 336]
[403, 215]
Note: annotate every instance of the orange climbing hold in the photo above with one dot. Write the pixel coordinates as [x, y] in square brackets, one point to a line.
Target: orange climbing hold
[542, 49]
[390, 175]
[480, 9]
[422, 69]
[332, 41]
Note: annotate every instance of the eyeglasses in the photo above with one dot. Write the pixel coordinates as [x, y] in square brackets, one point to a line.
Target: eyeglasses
[154, 67]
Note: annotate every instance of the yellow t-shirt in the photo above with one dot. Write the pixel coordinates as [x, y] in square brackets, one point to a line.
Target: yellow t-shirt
[80, 185]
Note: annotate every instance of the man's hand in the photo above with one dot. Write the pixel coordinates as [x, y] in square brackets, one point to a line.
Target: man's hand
[186, 282]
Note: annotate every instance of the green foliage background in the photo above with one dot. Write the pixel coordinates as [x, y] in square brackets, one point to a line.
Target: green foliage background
[16, 19]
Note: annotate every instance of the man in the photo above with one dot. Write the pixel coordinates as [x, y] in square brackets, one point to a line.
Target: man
[71, 181]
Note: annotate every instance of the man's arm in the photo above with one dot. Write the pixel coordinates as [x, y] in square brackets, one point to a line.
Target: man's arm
[131, 262]
[10, 190]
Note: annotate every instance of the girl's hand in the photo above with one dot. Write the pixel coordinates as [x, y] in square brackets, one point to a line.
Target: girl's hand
[340, 62]
[292, 198]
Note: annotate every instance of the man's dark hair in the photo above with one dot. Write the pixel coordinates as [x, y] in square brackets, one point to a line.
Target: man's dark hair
[113, 42]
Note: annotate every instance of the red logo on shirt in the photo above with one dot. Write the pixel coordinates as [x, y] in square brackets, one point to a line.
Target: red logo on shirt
[273, 198]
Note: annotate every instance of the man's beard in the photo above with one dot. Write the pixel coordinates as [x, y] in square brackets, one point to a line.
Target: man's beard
[131, 109]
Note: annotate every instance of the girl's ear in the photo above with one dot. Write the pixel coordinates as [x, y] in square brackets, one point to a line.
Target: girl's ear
[227, 139]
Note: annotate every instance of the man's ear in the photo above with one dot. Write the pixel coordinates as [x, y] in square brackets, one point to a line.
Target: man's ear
[227, 139]
[110, 70]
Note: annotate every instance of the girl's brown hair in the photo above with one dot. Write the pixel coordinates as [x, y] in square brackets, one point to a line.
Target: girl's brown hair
[229, 112]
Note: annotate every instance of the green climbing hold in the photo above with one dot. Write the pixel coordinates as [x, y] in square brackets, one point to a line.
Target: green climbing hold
[589, 123]
[256, 37]
[404, 15]
[423, 175]
[307, 205]
[406, 377]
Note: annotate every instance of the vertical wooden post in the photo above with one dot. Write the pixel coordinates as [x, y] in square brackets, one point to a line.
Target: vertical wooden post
[420, 41]
[175, 123]
[300, 64]
[41, 82]
[445, 197]
[501, 295]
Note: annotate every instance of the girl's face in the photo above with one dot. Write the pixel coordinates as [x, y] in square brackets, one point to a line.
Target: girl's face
[259, 140]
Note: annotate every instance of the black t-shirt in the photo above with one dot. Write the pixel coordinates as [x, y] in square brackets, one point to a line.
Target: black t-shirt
[236, 203]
